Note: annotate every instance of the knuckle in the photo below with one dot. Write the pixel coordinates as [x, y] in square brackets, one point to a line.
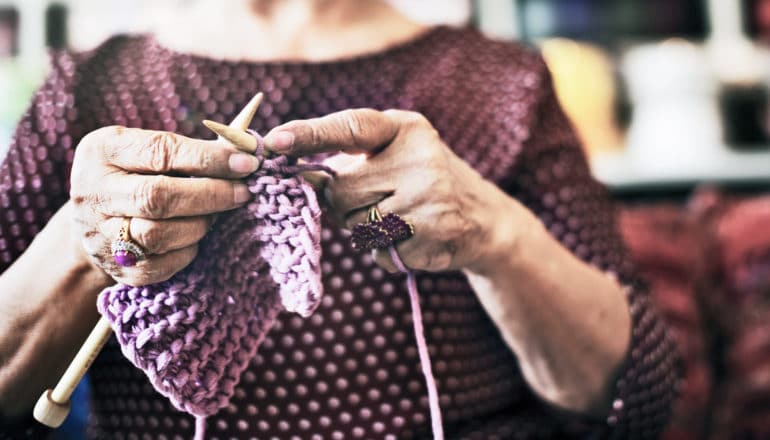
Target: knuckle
[78, 193]
[95, 248]
[151, 197]
[455, 224]
[151, 276]
[90, 147]
[87, 145]
[318, 135]
[98, 136]
[94, 141]
[160, 151]
[432, 158]
[439, 261]
[355, 125]
[412, 119]
[152, 238]
[83, 197]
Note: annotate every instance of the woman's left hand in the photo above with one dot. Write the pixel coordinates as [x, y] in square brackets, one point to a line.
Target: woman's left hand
[567, 322]
[396, 161]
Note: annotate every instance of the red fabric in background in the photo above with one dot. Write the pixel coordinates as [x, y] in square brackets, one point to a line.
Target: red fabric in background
[708, 267]
[665, 243]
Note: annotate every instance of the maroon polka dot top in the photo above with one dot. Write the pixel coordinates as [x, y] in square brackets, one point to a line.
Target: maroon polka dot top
[351, 370]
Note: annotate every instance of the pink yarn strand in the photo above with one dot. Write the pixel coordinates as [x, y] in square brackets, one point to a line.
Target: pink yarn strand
[200, 428]
[422, 346]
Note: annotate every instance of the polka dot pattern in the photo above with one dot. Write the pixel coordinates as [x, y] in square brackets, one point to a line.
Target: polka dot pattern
[351, 370]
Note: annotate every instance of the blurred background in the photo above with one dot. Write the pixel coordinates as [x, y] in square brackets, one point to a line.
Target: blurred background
[662, 92]
[670, 99]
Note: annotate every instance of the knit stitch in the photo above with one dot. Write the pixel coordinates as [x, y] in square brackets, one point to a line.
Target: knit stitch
[194, 334]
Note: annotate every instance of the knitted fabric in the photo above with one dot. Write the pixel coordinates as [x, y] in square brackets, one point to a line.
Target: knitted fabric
[194, 334]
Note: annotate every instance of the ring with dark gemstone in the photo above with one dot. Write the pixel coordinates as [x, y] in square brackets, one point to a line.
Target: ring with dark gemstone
[379, 232]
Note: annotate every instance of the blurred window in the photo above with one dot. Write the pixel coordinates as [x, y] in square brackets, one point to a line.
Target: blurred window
[56, 26]
[604, 21]
[9, 32]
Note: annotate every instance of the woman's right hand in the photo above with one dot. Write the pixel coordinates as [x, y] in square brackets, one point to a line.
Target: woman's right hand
[123, 172]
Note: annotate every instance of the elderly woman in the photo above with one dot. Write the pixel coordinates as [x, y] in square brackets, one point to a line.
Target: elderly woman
[535, 324]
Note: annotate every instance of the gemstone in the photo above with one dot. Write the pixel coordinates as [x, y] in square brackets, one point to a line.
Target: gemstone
[396, 227]
[124, 258]
[370, 235]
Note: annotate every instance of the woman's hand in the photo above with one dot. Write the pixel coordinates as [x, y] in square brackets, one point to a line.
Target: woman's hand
[125, 172]
[567, 322]
[407, 169]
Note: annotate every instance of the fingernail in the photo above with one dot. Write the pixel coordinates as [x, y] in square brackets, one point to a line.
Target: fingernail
[243, 163]
[242, 193]
[279, 141]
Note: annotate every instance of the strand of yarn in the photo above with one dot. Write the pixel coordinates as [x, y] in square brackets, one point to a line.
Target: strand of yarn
[200, 428]
[422, 346]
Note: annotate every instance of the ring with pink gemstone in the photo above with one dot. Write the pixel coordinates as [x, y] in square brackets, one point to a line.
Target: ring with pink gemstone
[125, 251]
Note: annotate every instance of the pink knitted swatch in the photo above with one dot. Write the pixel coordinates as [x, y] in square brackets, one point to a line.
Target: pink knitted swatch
[194, 334]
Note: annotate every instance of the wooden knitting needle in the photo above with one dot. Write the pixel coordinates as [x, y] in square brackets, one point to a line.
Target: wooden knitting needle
[246, 142]
[238, 137]
[54, 404]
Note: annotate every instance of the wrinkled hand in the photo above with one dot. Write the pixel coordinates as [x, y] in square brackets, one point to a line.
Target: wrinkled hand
[407, 169]
[125, 172]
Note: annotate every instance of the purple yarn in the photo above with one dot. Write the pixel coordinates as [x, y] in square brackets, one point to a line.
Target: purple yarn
[194, 334]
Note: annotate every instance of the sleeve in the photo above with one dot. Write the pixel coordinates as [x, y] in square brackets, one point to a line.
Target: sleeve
[34, 179]
[34, 175]
[552, 178]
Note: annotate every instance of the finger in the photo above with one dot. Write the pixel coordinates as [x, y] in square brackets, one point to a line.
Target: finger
[159, 197]
[161, 236]
[358, 184]
[161, 152]
[383, 259]
[351, 131]
[155, 268]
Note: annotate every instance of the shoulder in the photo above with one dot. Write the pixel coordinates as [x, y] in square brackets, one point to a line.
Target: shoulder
[467, 53]
[484, 96]
[501, 79]
[472, 42]
[111, 49]
[115, 82]
[81, 70]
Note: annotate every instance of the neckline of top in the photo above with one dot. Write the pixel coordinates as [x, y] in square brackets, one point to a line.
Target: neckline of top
[398, 48]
